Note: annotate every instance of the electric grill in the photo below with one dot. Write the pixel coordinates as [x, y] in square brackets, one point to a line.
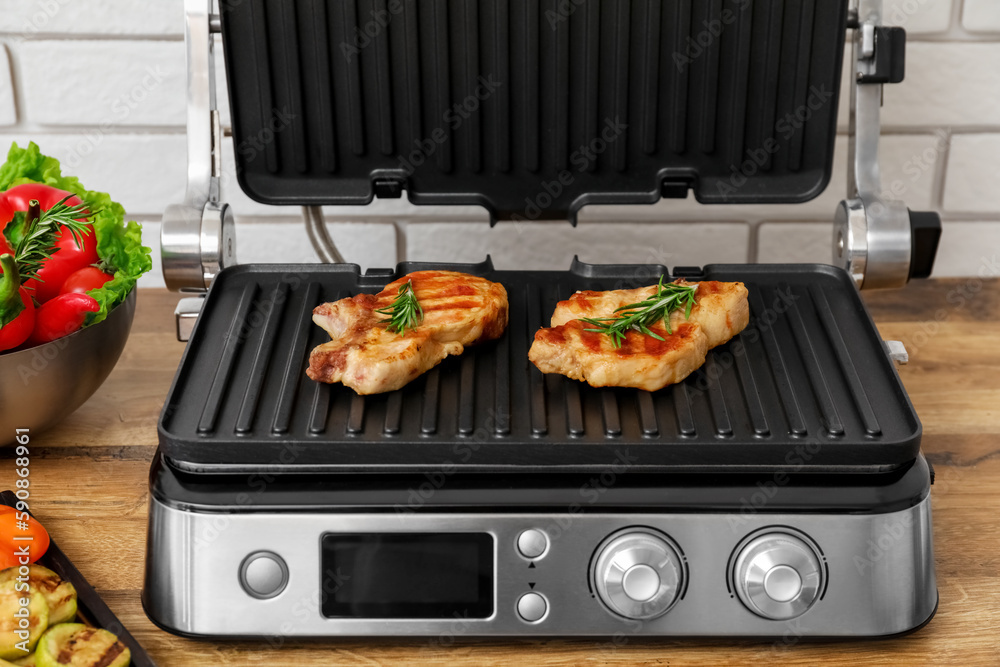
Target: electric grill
[779, 489]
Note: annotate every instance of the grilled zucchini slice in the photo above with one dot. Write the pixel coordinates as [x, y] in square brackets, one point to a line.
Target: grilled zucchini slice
[78, 645]
[35, 622]
[19, 663]
[59, 594]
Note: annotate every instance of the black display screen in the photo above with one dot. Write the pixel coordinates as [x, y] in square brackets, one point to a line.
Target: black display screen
[412, 575]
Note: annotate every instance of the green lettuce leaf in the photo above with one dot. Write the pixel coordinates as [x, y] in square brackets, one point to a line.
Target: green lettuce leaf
[119, 245]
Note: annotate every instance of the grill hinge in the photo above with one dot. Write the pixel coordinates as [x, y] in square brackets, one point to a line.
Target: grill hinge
[885, 49]
[197, 237]
[879, 241]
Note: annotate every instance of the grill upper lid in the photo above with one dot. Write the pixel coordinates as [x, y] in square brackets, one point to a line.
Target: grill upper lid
[531, 108]
[807, 386]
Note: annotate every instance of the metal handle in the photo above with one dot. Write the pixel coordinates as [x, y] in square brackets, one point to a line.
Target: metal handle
[197, 237]
[873, 238]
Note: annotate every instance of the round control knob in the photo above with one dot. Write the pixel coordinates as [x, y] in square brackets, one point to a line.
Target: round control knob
[263, 574]
[778, 576]
[637, 573]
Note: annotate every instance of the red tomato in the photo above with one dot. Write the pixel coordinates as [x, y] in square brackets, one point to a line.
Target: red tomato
[68, 256]
[17, 330]
[61, 316]
[19, 524]
[84, 280]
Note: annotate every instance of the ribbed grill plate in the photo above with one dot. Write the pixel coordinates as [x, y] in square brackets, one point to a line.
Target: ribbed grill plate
[534, 108]
[807, 385]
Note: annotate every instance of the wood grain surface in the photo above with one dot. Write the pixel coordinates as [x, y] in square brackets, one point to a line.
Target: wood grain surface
[90, 489]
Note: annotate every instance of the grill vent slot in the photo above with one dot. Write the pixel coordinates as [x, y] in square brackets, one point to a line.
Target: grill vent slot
[262, 358]
[821, 390]
[296, 362]
[539, 423]
[231, 345]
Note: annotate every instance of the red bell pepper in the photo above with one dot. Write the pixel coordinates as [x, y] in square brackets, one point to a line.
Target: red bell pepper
[68, 255]
[17, 312]
[61, 316]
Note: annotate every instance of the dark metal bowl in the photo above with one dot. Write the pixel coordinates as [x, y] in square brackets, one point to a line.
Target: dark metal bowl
[43, 384]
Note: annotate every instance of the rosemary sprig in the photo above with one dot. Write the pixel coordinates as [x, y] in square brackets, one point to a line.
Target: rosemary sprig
[643, 314]
[40, 232]
[405, 311]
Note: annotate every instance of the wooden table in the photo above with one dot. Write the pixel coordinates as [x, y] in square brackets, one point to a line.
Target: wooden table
[90, 474]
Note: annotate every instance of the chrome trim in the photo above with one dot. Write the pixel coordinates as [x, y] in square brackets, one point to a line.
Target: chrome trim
[881, 573]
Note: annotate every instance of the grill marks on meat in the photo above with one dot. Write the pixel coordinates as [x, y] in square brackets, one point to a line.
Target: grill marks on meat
[459, 310]
[720, 312]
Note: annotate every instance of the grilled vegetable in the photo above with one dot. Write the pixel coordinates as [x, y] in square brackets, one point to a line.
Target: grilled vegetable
[20, 626]
[60, 595]
[28, 661]
[77, 645]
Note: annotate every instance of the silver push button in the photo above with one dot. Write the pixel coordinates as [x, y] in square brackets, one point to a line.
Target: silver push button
[637, 574]
[778, 576]
[782, 583]
[263, 575]
[641, 582]
[532, 543]
[531, 607]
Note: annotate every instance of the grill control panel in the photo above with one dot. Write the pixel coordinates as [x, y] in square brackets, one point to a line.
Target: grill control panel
[507, 574]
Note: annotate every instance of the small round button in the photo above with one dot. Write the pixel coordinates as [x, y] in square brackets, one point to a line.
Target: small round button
[263, 575]
[532, 543]
[532, 607]
[782, 583]
[640, 582]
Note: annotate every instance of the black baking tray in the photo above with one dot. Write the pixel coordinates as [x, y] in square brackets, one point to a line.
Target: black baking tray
[90, 606]
[807, 386]
[533, 108]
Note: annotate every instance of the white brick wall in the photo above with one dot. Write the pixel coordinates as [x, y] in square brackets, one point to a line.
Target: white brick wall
[100, 85]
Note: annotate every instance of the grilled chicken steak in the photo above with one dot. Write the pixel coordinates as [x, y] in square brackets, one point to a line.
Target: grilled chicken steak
[720, 312]
[459, 310]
